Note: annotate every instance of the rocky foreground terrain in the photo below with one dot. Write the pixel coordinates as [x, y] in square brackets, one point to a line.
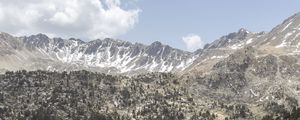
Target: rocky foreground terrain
[241, 76]
[86, 95]
[230, 94]
[245, 85]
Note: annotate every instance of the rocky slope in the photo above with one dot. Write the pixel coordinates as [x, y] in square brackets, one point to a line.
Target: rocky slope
[264, 83]
[221, 49]
[42, 95]
[231, 94]
[263, 75]
[284, 39]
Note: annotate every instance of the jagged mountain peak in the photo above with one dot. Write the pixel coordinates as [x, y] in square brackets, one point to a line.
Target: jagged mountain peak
[231, 40]
[156, 43]
[243, 31]
[241, 34]
[40, 36]
[74, 39]
[39, 40]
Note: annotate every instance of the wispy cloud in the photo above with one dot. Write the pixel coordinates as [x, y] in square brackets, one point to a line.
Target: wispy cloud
[77, 18]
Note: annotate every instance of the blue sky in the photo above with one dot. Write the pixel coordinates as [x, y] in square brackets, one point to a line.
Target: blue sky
[169, 20]
[183, 24]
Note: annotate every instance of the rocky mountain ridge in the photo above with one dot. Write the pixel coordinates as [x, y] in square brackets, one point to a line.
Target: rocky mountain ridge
[282, 40]
[107, 55]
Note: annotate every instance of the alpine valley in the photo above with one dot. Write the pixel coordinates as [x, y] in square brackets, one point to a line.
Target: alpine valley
[241, 76]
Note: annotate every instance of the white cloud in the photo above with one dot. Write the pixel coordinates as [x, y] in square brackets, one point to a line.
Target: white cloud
[67, 18]
[192, 42]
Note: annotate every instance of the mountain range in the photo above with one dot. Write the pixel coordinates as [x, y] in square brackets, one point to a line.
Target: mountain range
[120, 57]
[242, 75]
[106, 56]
